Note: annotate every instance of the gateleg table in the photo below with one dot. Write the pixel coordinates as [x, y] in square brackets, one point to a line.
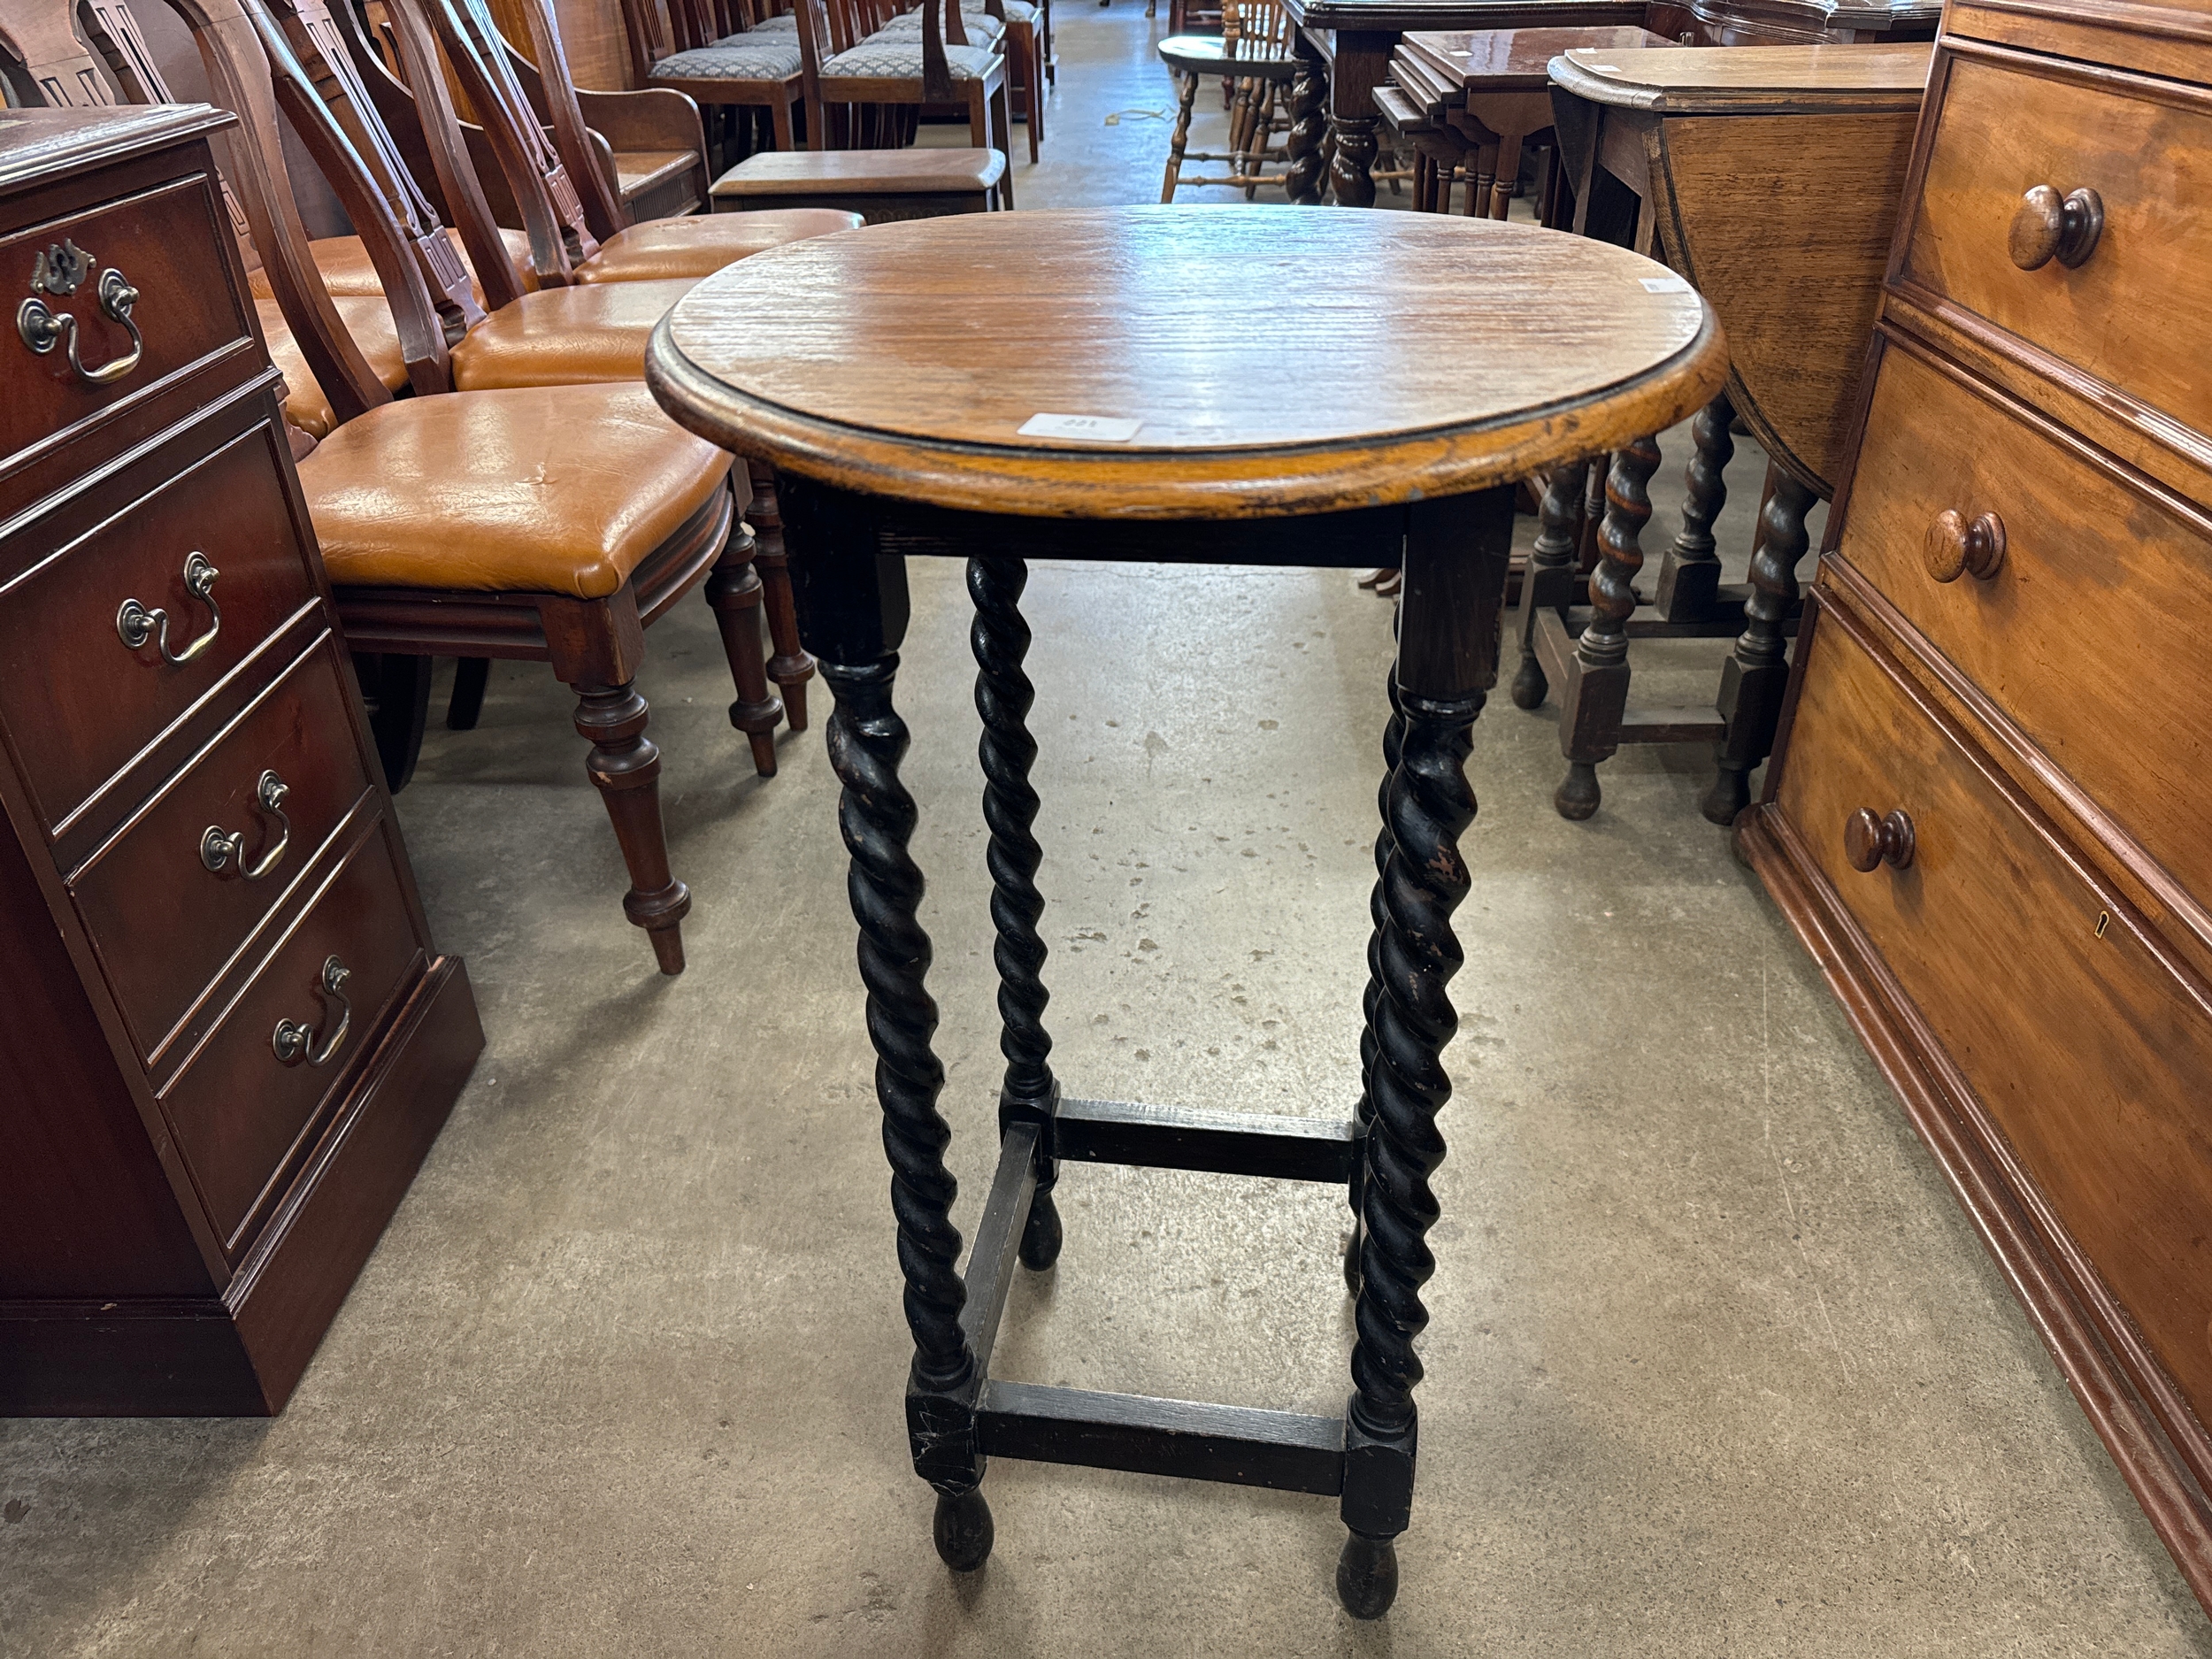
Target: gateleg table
[910, 414]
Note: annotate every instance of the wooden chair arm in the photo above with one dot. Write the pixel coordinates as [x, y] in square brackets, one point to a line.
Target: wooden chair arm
[654, 118]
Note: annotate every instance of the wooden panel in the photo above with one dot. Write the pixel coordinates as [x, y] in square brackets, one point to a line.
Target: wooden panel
[2145, 148]
[2084, 1049]
[2097, 561]
[1784, 224]
[240, 1114]
[592, 39]
[76, 702]
[150, 879]
[2156, 39]
[154, 239]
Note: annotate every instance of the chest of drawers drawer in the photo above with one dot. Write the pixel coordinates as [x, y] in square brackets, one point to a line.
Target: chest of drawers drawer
[149, 224]
[2107, 274]
[2041, 569]
[2083, 1043]
[247, 1099]
[120, 608]
[203, 862]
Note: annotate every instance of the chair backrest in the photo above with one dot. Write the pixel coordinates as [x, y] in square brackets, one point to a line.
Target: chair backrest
[1255, 28]
[63, 72]
[546, 80]
[551, 210]
[645, 25]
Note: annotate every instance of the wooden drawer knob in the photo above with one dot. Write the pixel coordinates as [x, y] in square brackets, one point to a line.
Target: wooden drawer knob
[1954, 547]
[1869, 840]
[2049, 227]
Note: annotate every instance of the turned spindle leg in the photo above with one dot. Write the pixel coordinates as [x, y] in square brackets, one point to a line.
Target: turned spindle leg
[791, 667]
[1003, 696]
[1590, 721]
[1363, 1110]
[1548, 583]
[1442, 678]
[626, 767]
[1758, 671]
[1689, 575]
[1351, 173]
[1186, 95]
[734, 592]
[1309, 94]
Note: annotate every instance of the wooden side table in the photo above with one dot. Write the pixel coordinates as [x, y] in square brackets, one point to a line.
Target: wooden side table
[901, 428]
[1768, 177]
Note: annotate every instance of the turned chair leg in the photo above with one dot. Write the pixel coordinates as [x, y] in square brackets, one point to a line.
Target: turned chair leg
[734, 590]
[1181, 137]
[791, 666]
[626, 769]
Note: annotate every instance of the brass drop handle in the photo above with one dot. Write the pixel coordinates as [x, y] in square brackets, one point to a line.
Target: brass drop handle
[1955, 546]
[294, 1040]
[43, 328]
[2049, 226]
[218, 851]
[135, 623]
[1869, 841]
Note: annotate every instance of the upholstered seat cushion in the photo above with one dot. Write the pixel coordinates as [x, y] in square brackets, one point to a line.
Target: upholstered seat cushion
[569, 336]
[983, 27]
[662, 250]
[344, 263]
[775, 57]
[783, 26]
[367, 318]
[880, 59]
[561, 489]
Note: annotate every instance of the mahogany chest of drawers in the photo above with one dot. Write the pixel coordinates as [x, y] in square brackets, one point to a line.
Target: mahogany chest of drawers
[226, 1039]
[1990, 816]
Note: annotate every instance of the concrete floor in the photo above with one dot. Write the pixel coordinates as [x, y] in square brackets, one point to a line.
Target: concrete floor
[1716, 1366]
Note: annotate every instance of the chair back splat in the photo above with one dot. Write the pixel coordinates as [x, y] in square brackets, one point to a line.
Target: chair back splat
[571, 135]
[561, 239]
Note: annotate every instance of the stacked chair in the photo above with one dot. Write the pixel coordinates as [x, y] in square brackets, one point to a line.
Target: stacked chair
[529, 500]
[867, 71]
[720, 54]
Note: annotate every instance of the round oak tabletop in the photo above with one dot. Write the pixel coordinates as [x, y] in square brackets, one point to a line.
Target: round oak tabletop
[1184, 362]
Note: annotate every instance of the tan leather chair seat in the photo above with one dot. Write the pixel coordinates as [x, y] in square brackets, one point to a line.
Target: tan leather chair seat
[555, 489]
[566, 337]
[368, 320]
[698, 247]
[344, 263]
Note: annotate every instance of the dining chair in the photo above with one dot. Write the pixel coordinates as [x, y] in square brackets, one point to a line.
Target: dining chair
[673, 45]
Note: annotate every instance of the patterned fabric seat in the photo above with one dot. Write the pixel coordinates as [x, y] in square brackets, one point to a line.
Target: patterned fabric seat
[981, 25]
[782, 27]
[754, 59]
[876, 58]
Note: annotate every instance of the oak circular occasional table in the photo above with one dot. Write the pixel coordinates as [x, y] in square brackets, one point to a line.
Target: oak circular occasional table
[1379, 415]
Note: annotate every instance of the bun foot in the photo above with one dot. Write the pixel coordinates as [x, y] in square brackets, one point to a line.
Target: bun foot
[964, 1534]
[1730, 793]
[1367, 1576]
[1576, 798]
[1041, 1234]
[1530, 687]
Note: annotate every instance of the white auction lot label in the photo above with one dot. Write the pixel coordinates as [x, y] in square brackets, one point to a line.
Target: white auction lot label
[1098, 428]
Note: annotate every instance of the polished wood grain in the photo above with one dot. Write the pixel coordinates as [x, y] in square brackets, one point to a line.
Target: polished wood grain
[2062, 1011]
[1707, 80]
[1939, 441]
[2110, 318]
[1784, 223]
[905, 378]
[592, 37]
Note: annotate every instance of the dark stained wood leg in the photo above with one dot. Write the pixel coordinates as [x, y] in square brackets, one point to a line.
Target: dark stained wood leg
[1689, 576]
[1351, 174]
[401, 688]
[471, 675]
[1592, 517]
[1030, 1092]
[733, 589]
[1363, 1110]
[1549, 584]
[1757, 673]
[1447, 659]
[626, 768]
[1309, 94]
[853, 611]
[1597, 696]
[1186, 95]
[791, 667]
